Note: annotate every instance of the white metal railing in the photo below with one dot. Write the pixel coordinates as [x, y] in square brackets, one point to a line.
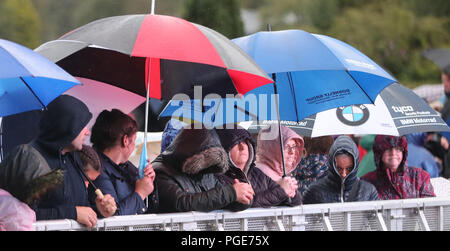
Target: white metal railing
[392, 215]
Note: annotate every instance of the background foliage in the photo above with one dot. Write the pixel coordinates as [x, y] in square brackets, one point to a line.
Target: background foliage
[391, 32]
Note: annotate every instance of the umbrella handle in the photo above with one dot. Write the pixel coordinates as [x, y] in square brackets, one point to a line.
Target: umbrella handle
[99, 193]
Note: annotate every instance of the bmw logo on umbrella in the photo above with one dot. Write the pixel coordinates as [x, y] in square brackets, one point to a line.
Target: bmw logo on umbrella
[354, 115]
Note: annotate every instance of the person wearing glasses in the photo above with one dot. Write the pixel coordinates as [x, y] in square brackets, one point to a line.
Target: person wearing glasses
[393, 178]
[269, 157]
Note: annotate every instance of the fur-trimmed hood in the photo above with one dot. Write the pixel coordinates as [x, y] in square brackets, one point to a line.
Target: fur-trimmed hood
[195, 151]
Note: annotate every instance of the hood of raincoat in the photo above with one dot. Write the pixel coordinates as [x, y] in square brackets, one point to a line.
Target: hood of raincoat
[62, 122]
[385, 142]
[231, 137]
[343, 143]
[268, 154]
[195, 151]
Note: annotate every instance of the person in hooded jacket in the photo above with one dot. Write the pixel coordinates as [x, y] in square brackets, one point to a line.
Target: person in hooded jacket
[185, 175]
[393, 178]
[269, 157]
[241, 149]
[341, 183]
[63, 130]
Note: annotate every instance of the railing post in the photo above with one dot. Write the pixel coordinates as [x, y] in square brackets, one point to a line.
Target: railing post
[396, 219]
[441, 219]
[278, 223]
[380, 221]
[348, 221]
[244, 224]
[326, 222]
[423, 219]
[299, 222]
[220, 226]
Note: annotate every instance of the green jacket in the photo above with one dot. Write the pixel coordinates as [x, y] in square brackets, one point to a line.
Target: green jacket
[367, 163]
[26, 175]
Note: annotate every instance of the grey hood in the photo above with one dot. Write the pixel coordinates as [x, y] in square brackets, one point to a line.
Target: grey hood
[347, 144]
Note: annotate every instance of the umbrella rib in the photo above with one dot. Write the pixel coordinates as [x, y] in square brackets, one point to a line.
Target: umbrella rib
[291, 83]
[274, 77]
[31, 90]
[255, 117]
[362, 89]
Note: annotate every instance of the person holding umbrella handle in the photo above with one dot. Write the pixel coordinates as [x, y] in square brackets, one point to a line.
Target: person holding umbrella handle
[278, 161]
[92, 167]
[113, 137]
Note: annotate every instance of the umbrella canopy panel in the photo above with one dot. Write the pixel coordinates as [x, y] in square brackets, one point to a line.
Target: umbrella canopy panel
[130, 73]
[100, 96]
[441, 57]
[28, 81]
[318, 72]
[164, 37]
[397, 111]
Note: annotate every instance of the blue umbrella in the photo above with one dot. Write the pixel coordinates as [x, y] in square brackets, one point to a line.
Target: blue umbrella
[313, 72]
[28, 81]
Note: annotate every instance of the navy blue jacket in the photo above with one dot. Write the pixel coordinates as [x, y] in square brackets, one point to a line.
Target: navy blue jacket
[60, 124]
[119, 181]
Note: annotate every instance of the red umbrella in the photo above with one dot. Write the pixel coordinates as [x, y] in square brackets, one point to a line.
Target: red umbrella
[168, 54]
[120, 51]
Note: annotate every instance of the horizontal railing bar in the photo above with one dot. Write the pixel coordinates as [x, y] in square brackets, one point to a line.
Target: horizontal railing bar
[167, 219]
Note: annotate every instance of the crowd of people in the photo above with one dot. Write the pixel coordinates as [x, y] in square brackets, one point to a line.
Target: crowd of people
[57, 176]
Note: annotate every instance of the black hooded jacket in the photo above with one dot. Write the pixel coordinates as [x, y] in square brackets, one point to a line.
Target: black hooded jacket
[333, 188]
[60, 124]
[185, 173]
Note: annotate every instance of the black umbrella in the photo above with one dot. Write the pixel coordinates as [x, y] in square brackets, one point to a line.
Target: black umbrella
[441, 57]
[155, 123]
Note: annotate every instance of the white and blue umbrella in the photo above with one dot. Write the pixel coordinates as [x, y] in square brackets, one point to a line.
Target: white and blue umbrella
[397, 111]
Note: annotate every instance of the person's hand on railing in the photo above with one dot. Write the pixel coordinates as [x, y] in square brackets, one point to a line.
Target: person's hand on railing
[86, 216]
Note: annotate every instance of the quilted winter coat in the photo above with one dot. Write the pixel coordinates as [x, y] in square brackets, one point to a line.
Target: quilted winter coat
[268, 193]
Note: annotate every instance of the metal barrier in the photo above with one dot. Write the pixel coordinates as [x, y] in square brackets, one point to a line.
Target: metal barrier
[392, 215]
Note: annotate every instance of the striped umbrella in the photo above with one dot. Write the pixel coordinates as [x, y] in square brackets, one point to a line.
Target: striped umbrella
[156, 56]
